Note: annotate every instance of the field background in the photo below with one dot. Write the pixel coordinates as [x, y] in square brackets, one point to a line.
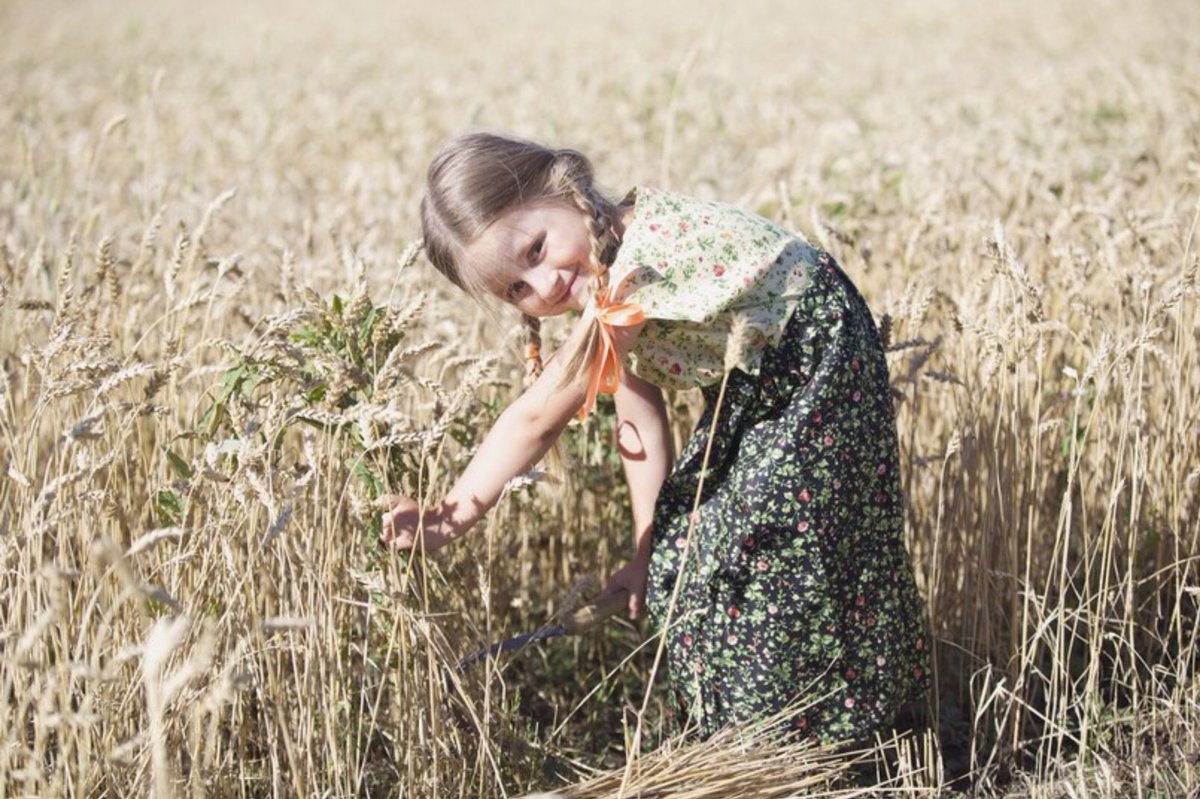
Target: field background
[217, 348]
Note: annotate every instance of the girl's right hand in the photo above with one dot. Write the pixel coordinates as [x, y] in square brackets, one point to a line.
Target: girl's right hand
[632, 577]
[404, 527]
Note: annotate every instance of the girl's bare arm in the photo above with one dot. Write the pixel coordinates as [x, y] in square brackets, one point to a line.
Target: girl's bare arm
[518, 440]
[647, 452]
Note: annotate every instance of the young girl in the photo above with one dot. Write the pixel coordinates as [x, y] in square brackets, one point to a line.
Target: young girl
[795, 591]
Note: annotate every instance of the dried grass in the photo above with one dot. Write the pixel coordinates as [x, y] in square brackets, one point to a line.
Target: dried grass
[193, 604]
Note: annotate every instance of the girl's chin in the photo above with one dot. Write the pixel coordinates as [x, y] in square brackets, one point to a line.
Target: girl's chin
[571, 303]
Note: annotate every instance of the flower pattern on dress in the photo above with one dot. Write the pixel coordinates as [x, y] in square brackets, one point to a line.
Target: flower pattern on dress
[798, 594]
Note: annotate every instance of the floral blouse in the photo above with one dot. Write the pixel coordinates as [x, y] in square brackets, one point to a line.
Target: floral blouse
[699, 270]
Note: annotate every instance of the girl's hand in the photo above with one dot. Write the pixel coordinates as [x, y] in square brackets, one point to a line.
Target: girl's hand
[632, 576]
[403, 527]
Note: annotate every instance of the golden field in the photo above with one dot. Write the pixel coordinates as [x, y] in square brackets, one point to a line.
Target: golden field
[219, 346]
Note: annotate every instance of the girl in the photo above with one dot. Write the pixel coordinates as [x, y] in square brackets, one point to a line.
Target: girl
[792, 587]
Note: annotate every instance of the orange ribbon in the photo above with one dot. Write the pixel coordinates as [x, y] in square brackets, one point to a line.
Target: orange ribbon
[606, 366]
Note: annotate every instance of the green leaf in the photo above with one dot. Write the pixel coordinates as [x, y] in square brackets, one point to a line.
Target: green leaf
[362, 472]
[308, 337]
[368, 325]
[232, 379]
[179, 465]
[168, 507]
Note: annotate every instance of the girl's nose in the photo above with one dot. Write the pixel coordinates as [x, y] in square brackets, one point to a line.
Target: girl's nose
[544, 283]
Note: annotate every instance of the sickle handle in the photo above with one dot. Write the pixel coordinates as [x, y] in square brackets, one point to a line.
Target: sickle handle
[585, 618]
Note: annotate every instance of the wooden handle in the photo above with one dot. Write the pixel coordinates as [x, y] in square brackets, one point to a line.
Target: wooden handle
[585, 618]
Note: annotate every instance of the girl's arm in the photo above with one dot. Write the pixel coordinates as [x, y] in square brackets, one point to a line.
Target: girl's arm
[521, 436]
[647, 452]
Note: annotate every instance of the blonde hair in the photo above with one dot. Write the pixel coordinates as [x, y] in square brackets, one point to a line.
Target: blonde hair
[475, 178]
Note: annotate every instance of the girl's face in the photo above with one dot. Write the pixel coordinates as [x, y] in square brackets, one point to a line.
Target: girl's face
[535, 257]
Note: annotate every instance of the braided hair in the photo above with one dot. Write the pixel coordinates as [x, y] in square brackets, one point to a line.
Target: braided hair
[475, 178]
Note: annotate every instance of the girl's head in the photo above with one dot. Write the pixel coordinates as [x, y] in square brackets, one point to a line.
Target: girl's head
[487, 197]
[476, 179]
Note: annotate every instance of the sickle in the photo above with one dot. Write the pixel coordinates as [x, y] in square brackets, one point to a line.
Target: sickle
[576, 622]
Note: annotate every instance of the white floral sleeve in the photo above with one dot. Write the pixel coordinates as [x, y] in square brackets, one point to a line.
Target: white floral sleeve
[696, 268]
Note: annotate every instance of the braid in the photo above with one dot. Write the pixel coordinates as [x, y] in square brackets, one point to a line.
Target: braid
[533, 348]
[598, 223]
[573, 177]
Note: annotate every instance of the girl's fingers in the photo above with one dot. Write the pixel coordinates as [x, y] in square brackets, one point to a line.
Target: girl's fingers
[387, 501]
[635, 605]
[395, 537]
[389, 532]
[393, 527]
[401, 542]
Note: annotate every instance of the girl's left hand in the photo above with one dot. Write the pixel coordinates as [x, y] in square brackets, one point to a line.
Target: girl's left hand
[632, 576]
[404, 526]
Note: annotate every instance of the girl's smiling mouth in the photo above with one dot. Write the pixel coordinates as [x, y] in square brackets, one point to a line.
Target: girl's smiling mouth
[567, 296]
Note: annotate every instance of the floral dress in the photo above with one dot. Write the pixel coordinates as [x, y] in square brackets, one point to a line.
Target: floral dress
[795, 592]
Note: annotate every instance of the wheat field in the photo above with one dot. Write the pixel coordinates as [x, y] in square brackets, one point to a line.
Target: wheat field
[220, 345]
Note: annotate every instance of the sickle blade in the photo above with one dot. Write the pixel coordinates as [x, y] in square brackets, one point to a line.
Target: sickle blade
[512, 644]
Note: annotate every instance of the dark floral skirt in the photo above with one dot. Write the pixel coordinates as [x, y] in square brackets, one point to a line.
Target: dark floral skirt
[798, 594]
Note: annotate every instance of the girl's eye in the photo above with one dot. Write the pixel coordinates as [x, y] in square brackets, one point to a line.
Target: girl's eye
[516, 291]
[535, 249]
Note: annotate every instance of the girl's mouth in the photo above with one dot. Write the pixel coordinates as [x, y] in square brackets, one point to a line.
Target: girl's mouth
[566, 295]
